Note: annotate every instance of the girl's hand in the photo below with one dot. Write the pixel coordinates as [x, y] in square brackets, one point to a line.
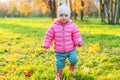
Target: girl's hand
[80, 44]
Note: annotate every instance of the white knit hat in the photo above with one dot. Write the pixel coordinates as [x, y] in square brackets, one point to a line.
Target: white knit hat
[64, 9]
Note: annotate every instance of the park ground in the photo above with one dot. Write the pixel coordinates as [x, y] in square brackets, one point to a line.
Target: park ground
[22, 58]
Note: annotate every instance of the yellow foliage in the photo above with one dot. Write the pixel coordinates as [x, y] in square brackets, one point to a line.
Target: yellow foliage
[86, 70]
[101, 78]
[76, 6]
[94, 49]
[89, 5]
[41, 4]
[2, 77]
[25, 8]
[12, 6]
[2, 6]
[10, 68]
[43, 8]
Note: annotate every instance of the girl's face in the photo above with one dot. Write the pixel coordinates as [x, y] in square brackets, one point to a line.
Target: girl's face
[63, 18]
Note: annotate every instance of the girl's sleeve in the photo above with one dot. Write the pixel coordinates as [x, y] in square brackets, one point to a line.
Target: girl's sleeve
[77, 38]
[48, 38]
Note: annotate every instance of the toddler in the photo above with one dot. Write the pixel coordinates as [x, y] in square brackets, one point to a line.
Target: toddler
[66, 37]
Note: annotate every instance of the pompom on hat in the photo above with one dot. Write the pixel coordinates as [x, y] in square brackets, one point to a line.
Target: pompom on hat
[64, 9]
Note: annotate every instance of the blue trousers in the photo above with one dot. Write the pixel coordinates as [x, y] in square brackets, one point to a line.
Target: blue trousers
[61, 58]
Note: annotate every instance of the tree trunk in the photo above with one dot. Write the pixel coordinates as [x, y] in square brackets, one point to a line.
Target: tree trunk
[114, 11]
[116, 15]
[71, 8]
[75, 15]
[119, 9]
[52, 5]
[107, 9]
[54, 9]
[82, 14]
[112, 8]
[102, 11]
[82, 11]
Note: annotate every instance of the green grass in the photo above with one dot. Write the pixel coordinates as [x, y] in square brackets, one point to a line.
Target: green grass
[20, 51]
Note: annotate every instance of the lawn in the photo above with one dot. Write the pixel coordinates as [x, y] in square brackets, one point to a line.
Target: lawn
[22, 57]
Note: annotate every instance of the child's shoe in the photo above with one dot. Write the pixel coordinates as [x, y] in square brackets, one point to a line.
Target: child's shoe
[59, 75]
[72, 68]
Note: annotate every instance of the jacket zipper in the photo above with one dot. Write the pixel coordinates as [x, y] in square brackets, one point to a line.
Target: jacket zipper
[63, 38]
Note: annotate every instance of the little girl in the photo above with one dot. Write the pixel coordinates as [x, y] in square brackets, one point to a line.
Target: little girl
[66, 37]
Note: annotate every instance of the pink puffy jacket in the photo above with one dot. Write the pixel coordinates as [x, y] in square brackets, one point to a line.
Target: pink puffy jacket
[66, 37]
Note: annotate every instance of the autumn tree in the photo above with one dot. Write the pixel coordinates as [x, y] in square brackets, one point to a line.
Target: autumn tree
[83, 8]
[46, 5]
[41, 6]
[25, 7]
[91, 8]
[12, 8]
[3, 9]
[76, 7]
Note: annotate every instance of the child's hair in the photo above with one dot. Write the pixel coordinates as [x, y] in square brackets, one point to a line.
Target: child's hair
[64, 9]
